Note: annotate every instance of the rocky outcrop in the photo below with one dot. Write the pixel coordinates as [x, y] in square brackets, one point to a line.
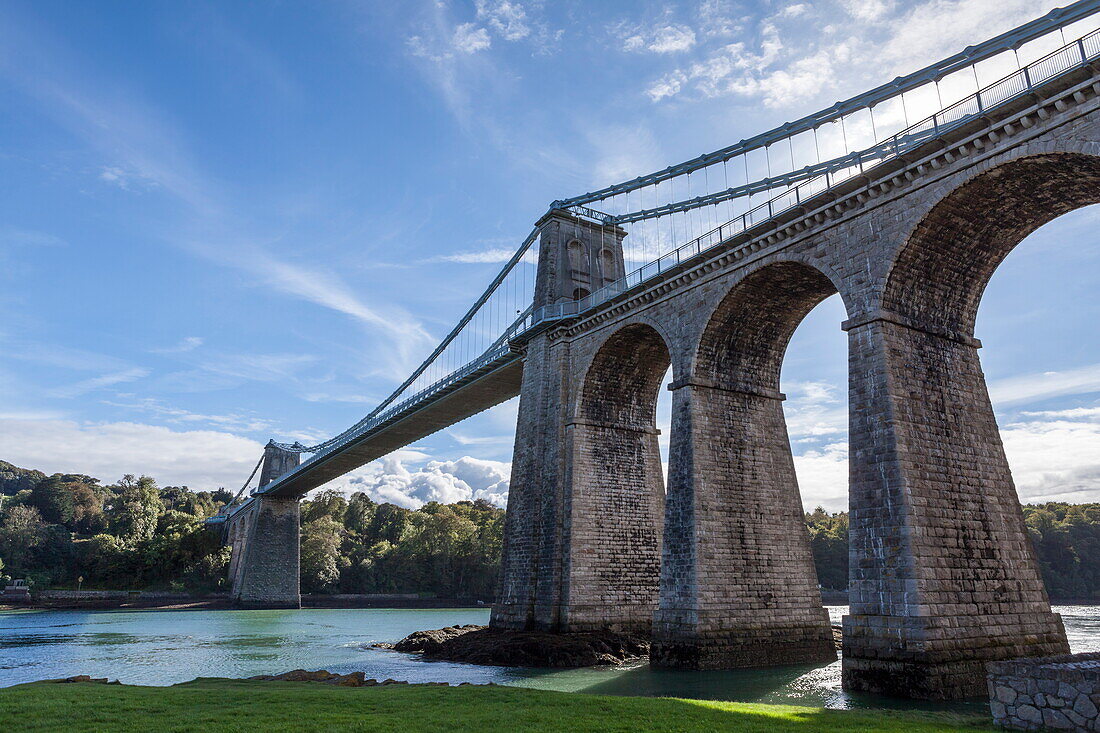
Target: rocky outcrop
[482, 645]
[85, 678]
[432, 641]
[352, 679]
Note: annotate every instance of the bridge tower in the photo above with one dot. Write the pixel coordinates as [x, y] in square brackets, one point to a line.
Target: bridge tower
[551, 574]
[263, 569]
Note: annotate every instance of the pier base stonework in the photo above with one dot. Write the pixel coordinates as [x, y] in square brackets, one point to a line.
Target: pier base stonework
[266, 573]
[583, 529]
[943, 576]
[738, 585]
[1051, 693]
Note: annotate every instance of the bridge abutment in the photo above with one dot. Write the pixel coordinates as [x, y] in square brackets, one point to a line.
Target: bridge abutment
[267, 575]
[943, 576]
[738, 584]
[265, 537]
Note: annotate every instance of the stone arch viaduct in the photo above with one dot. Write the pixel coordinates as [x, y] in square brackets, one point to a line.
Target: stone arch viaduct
[716, 563]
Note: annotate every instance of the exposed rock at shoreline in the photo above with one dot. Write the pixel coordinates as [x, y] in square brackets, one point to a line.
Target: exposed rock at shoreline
[85, 678]
[352, 679]
[482, 645]
[431, 641]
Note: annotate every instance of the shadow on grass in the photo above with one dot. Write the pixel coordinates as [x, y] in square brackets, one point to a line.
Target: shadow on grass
[228, 705]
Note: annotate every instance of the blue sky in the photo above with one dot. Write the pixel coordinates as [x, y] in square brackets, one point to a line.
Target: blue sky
[223, 222]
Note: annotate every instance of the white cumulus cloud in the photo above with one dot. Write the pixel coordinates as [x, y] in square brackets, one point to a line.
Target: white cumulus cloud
[200, 459]
[464, 479]
[469, 38]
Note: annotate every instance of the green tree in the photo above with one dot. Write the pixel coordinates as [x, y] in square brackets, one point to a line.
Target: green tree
[360, 513]
[133, 511]
[20, 535]
[829, 544]
[221, 497]
[390, 523]
[71, 500]
[320, 554]
[14, 479]
[328, 503]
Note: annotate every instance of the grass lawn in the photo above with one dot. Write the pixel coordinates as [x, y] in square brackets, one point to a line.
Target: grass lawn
[231, 705]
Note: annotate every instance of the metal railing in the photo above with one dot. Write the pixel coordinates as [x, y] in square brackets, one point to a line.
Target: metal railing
[1071, 56]
[1013, 39]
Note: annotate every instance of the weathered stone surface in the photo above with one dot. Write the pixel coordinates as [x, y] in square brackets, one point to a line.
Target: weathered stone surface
[264, 569]
[432, 640]
[264, 564]
[1074, 676]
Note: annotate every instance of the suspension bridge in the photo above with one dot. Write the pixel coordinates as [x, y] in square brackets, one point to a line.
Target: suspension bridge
[903, 199]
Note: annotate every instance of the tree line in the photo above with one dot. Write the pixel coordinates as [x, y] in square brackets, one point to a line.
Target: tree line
[132, 534]
[65, 530]
[1066, 538]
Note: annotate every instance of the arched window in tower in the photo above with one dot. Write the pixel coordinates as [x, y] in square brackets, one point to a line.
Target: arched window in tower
[579, 293]
[576, 256]
[607, 265]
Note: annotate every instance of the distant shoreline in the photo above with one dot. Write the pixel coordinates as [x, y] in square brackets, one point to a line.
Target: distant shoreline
[222, 603]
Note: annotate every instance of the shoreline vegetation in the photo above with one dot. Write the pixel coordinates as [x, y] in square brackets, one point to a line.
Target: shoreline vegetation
[123, 601]
[71, 531]
[270, 705]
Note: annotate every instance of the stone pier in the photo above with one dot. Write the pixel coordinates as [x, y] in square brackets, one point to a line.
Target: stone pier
[265, 541]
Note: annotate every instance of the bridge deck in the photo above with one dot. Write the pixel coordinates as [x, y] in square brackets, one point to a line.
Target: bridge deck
[497, 382]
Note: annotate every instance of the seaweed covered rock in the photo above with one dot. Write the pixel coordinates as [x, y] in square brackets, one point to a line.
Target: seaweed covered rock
[432, 641]
[483, 645]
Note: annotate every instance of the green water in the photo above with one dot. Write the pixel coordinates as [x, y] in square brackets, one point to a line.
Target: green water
[165, 647]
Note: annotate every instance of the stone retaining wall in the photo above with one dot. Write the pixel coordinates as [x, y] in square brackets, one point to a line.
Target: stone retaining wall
[1046, 693]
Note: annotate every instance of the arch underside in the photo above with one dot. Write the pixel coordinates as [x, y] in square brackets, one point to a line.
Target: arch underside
[938, 279]
[617, 483]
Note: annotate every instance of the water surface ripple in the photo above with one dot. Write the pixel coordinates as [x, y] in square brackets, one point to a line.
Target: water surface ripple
[165, 647]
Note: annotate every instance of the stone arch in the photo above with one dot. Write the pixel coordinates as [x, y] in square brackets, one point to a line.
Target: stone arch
[608, 269]
[941, 271]
[617, 495]
[746, 337]
[621, 381]
[576, 256]
[738, 583]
